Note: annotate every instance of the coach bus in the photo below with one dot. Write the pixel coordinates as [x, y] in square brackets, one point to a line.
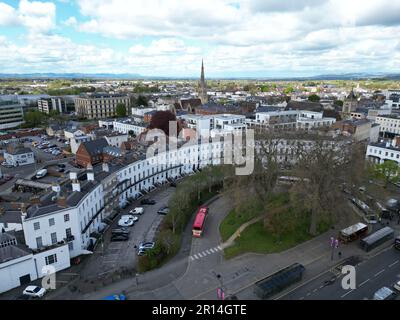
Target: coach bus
[354, 232]
[199, 221]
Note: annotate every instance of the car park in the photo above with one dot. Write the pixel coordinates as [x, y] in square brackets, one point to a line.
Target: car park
[163, 210]
[137, 211]
[148, 201]
[34, 291]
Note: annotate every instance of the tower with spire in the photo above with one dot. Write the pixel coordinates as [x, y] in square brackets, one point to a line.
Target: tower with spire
[203, 86]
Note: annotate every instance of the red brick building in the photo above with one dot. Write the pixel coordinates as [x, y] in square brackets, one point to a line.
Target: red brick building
[91, 152]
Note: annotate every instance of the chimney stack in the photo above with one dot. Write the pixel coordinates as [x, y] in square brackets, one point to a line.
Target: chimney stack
[76, 186]
[56, 188]
[106, 167]
[62, 202]
[90, 175]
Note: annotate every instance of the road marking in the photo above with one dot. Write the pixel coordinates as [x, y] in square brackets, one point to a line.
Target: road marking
[199, 254]
[195, 255]
[361, 284]
[391, 265]
[309, 294]
[219, 248]
[377, 274]
[321, 287]
[212, 250]
[191, 258]
[208, 251]
[302, 298]
[315, 290]
[347, 293]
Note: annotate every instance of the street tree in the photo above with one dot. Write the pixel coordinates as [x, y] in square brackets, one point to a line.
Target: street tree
[121, 110]
[388, 172]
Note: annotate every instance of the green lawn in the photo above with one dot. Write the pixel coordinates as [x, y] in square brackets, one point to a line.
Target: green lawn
[256, 238]
[247, 211]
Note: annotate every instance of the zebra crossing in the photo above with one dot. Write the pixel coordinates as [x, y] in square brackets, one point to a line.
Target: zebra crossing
[205, 253]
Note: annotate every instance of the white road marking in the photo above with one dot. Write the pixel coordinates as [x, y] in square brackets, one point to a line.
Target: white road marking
[361, 284]
[212, 250]
[347, 293]
[391, 265]
[199, 254]
[377, 274]
[195, 256]
[321, 287]
[309, 294]
[315, 290]
[191, 258]
[219, 248]
[302, 298]
[208, 251]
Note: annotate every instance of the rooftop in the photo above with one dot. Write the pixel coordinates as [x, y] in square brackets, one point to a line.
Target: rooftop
[12, 252]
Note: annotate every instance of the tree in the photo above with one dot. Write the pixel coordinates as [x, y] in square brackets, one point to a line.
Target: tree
[388, 171]
[34, 118]
[314, 98]
[288, 90]
[142, 101]
[338, 103]
[121, 110]
[160, 120]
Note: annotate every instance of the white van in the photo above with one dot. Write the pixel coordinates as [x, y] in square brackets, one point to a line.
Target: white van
[41, 173]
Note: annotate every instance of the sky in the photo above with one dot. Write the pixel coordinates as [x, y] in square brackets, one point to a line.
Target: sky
[236, 38]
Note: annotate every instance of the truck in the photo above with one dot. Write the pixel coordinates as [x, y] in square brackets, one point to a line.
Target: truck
[41, 173]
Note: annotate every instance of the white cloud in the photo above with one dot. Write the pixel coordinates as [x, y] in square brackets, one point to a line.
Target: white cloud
[7, 15]
[71, 21]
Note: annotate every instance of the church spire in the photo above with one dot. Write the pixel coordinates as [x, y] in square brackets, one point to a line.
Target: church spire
[203, 86]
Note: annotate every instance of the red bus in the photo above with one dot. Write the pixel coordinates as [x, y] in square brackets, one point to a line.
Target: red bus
[199, 221]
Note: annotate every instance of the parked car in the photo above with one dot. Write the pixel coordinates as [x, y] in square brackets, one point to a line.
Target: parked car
[122, 230]
[396, 286]
[384, 294]
[148, 201]
[120, 237]
[137, 210]
[173, 184]
[146, 245]
[61, 165]
[60, 170]
[163, 211]
[34, 291]
[127, 221]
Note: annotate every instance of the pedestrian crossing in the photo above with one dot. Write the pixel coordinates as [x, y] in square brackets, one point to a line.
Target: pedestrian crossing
[205, 253]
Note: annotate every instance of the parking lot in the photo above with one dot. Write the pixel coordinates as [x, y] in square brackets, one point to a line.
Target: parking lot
[111, 256]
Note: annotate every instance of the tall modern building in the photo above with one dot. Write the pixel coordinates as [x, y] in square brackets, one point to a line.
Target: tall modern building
[52, 103]
[11, 113]
[100, 106]
[203, 86]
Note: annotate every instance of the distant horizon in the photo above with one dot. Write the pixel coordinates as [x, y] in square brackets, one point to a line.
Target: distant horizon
[135, 76]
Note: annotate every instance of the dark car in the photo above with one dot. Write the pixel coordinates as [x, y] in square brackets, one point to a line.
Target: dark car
[61, 165]
[120, 237]
[120, 231]
[164, 211]
[60, 170]
[148, 201]
[173, 184]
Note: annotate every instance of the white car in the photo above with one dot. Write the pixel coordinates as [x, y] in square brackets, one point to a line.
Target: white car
[34, 291]
[397, 286]
[127, 221]
[138, 210]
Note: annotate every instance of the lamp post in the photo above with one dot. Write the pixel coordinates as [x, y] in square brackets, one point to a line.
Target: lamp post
[334, 245]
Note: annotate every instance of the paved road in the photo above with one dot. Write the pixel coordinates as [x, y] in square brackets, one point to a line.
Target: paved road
[380, 270]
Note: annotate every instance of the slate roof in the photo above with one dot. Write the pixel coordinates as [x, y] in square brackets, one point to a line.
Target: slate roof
[95, 147]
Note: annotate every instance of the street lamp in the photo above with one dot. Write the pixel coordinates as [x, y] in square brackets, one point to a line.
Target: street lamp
[334, 245]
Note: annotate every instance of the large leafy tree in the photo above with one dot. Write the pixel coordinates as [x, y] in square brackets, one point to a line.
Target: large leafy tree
[388, 172]
[121, 110]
